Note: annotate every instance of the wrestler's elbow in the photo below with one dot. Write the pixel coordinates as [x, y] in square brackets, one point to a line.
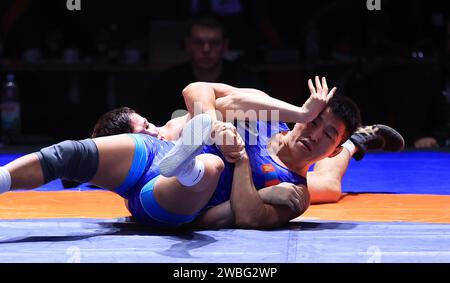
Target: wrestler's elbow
[193, 88]
[260, 224]
[247, 221]
[244, 224]
[230, 102]
[257, 222]
[335, 196]
[331, 195]
[324, 189]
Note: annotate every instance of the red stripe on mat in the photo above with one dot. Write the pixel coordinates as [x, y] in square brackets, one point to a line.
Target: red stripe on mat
[384, 207]
[61, 204]
[103, 204]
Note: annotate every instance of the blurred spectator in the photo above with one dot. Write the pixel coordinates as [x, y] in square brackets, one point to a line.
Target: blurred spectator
[206, 43]
[235, 15]
[406, 97]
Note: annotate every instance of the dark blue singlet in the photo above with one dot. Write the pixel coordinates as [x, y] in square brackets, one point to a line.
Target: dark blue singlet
[138, 186]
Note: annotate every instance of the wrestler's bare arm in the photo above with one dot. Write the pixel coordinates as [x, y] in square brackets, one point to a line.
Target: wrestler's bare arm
[233, 103]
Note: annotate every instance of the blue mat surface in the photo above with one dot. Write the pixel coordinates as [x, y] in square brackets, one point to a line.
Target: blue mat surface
[401, 173]
[94, 240]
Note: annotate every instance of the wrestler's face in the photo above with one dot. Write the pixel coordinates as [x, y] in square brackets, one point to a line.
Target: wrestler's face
[317, 139]
[140, 125]
[206, 46]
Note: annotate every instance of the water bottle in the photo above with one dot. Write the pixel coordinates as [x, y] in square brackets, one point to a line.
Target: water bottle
[10, 110]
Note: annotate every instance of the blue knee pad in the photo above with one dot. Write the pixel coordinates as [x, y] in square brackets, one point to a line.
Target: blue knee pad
[72, 160]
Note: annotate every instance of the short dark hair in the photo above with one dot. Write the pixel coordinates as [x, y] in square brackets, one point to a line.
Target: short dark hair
[114, 122]
[206, 20]
[347, 110]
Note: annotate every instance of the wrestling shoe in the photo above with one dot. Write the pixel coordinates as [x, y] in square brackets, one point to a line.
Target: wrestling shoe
[376, 137]
[196, 133]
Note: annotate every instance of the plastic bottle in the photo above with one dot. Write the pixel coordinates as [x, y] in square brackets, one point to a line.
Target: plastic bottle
[10, 110]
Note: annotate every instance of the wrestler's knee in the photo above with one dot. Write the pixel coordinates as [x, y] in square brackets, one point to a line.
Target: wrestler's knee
[72, 160]
[214, 165]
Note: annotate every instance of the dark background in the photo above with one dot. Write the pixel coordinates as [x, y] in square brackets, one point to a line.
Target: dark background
[394, 62]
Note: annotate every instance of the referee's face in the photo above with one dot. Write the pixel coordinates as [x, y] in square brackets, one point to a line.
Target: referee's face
[206, 46]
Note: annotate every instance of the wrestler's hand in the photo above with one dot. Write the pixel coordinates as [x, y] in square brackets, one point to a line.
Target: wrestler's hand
[295, 196]
[148, 129]
[228, 140]
[153, 132]
[318, 99]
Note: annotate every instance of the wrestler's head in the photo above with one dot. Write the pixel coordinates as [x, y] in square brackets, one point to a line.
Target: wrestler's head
[122, 120]
[322, 137]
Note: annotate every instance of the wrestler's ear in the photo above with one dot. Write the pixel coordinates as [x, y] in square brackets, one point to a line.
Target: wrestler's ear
[336, 151]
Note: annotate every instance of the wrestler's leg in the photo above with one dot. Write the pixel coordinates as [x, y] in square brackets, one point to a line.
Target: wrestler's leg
[105, 164]
[188, 179]
[176, 198]
[324, 183]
